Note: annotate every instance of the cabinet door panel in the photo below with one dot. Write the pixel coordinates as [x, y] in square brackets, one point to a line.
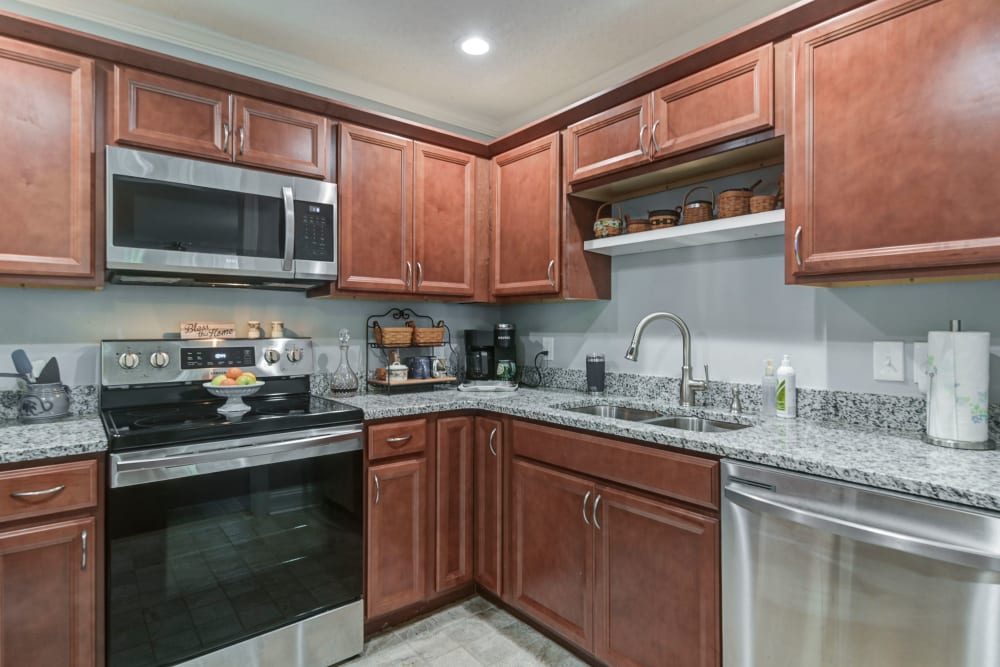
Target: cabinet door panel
[397, 525]
[609, 141]
[277, 137]
[170, 114]
[47, 595]
[453, 503]
[376, 211]
[732, 98]
[47, 138]
[552, 550]
[443, 220]
[526, 221]
[893, 165]
[657, 585]
[489, 500]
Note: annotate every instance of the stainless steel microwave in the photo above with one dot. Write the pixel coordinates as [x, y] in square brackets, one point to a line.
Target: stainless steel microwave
[171, 220]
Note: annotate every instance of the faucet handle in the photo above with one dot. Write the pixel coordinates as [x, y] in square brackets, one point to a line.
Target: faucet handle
[706, 376]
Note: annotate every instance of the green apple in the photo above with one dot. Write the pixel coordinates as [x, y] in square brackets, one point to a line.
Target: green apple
[217, 380]
[246, 379]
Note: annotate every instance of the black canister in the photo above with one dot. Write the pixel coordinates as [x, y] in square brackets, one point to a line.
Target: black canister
[595, 373]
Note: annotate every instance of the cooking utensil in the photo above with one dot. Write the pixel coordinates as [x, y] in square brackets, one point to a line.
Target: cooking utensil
[22, 364]
[50, 372]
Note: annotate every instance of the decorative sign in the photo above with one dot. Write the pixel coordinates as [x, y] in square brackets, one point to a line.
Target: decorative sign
[208, 330]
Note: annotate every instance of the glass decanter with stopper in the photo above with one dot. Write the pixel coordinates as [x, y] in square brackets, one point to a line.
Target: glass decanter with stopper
[344, 380]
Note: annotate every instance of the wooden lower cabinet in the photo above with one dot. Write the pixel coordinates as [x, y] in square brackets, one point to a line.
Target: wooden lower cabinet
[396, 526]
[48, 594]
[488, 484]
[453, 503]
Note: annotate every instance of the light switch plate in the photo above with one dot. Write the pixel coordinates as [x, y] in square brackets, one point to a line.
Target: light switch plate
[887, 361]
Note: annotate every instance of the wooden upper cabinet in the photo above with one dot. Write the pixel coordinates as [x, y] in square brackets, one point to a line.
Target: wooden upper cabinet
[611, 140]
[894, 129]
[277, 137]
[526, 221]
[728, 100]
[376, 210]
[453, 509]
[164, 113]
[161, 112]
[444, 221]
[48, 587]
[47, 138]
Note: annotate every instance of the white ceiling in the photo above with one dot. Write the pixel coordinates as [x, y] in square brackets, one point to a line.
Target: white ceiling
[403, 55]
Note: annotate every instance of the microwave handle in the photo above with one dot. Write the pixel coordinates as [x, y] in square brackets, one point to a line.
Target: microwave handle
[289, 203]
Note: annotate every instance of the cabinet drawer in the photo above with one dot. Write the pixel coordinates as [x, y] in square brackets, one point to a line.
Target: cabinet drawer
[47, 489]
[397, 438]
[687, 478]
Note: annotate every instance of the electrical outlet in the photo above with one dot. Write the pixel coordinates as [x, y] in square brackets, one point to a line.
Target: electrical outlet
[549, 343]
[887, 360]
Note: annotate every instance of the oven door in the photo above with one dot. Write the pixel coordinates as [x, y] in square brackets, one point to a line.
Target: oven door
[211, 545]
[167, 214]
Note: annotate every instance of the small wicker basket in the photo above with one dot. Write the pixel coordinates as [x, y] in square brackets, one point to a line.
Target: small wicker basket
[393, 336]
[697, 211]
[609, 226]
[427, 336]
[761, 203]
[734, 202]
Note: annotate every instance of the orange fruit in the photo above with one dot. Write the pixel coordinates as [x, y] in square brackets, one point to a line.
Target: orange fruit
[234, 372]
[228, 382]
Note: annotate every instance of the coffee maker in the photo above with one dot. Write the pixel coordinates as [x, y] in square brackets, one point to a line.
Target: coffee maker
[490, 356]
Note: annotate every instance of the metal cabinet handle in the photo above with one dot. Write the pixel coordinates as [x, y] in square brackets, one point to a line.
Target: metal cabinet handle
[83, 548]
[652, 139]
[225, 137]
[31, 494]
[242, 135]
[420, 274]
[493, 434]
[409, 274]
[378, 489]
[398, 439]
[593, 511]
[795, 245]
[288, 201]
[642, 144]
[585, 499]
[548, 272]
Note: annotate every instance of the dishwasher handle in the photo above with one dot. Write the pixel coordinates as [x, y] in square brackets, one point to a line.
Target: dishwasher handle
[766, 502]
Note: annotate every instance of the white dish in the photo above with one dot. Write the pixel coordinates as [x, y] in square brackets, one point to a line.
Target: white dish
[233, 394]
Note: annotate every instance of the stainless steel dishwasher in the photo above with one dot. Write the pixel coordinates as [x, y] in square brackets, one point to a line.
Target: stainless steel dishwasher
[819, 573]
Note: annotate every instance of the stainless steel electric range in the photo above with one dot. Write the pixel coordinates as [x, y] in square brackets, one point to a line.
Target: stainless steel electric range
[232, 539]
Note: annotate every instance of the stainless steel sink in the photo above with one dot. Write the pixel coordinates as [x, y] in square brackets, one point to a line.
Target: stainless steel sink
[695, 424]
[616, 412]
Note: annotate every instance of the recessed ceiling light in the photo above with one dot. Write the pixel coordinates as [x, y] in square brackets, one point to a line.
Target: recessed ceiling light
[475, 46]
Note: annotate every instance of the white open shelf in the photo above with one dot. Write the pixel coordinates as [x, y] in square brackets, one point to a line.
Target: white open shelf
[739, 228]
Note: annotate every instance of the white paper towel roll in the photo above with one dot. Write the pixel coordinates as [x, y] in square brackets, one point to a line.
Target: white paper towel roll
[958, 391]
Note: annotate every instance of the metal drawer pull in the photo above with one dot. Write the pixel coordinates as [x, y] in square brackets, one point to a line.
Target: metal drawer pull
[378, 489]
[795, 245]
[493, 434]
[242, 136]
[31, 494]
[548, 272]
[398, 439]
[652, 139]
[225, 137]
[83, 548]
[597, 502]
[585, 499]
[642, 144]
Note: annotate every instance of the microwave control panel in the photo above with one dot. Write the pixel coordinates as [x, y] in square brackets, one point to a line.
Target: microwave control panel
[314, 231]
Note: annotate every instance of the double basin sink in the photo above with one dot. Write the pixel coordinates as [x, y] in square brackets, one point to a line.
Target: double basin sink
[652, 418]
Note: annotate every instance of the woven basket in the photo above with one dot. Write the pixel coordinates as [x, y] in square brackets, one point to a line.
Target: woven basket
[636, 226]
[734, 202]
[761, 203]
[397, 336]
[427, 336]
[698, 211]
[610, 226]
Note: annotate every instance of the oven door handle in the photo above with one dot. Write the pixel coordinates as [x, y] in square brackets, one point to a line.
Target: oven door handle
[126, 472]
[856, 528]
[288, 199]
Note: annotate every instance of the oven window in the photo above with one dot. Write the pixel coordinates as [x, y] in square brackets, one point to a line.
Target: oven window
[155, 215]
[202, 562]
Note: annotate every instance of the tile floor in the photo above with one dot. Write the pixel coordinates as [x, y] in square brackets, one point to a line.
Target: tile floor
[473, 633]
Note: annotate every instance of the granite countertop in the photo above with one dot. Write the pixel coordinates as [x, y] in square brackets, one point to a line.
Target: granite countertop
[49, 440]
[879, 458]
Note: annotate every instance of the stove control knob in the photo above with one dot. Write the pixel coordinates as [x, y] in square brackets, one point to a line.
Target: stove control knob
[128, 360]
[272, 356]
[159, 359]
[294, 355]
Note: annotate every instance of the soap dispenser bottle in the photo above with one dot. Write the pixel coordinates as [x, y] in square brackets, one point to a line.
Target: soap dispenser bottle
[785, 395]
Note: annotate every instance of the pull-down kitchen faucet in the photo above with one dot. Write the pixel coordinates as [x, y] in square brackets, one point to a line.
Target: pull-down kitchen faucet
[688, 384]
